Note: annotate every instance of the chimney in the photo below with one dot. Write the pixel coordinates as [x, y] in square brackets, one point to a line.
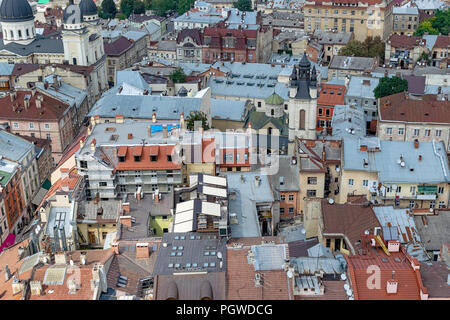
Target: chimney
[126, 206]
[61, 258]
[439, 90]
[115, 247]
[83, 257]
[156, 196]
[393, 246]
[392, 285]
[55, 81]
[257, 181]
[13, 95]
[182, 120]
[72, 285]
[126, 221]
[130, 136]
[46, 85]
[119, 118]
[93, 144]
[7, 273]
[35, 288]
[164, 131]
[142, 251]
[38, 100]
[154, 117]
[363, 148]
[420, 157]
[17, 286]
[416, 144]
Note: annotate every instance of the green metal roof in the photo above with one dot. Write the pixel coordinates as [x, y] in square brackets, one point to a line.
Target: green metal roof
[4, 177]
[274, 99]
[43, 1]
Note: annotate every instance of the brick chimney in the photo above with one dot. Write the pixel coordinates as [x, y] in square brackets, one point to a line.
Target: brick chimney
[64, 173]
[182, 120]
[142, 251]
[119, 118]
[93, 144]
[126, 221]
[26, 102]
[416, 144]
[154, 117]
[38, 101]
[126, 206]
[115, 247]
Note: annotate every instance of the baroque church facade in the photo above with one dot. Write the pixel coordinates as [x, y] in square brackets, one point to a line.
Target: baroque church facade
[80, 41]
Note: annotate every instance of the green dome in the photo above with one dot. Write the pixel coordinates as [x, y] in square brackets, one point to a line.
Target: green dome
[274, 99]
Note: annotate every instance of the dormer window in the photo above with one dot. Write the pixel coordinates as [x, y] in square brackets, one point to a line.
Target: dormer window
[121, 159]
[137, 158]
[153, 158]
[169, 158]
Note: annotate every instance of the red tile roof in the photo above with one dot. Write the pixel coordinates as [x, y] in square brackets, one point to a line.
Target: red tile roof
[408, 280]
[51, 109]
[348, 219]
[194, 34]
[434, 277]
[398, 107]
[241, 280]
[10, 257]
[329, 96]
[442, 42]
[117, 47]
[404, 41]
[162, 162]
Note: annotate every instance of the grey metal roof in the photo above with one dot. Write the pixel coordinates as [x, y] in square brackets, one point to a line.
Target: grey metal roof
[362, 87]
[247, 88]
[65, 92]
[13, 147]
[89, 210]
[352, 63]
[133, 78]
[332, 37]
[435, 233]
[61, 217]
[268, 256]
[399, 219]
[197, 250]
[134, 35]
[319, 250]
[348, 121]
[6, 69]
[287, 177]
[431, 169]
[311, 265]
[228, 109]
[405, 10]
[39, 45]
[293, 233]
[247, 196]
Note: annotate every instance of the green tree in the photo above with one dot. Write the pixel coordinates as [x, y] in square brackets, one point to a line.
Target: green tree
[138, 7]
[243, 5]
[160, 7]
[197, 116]
[184, 6]
[426, 26]
[126, 7]
[388, 86]
[178, 76]
[121, 16]
[108, 9]
[441, 21]
[353, 48]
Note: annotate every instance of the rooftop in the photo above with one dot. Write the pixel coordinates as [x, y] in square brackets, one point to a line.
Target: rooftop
[433, 229]
[348, 121]
[101, 211]
[13, 147]
[352, 63]
[435, 277]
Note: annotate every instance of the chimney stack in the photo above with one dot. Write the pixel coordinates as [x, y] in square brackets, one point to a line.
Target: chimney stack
[60, 258]
[416, 144]
[38, 101]
[13, 95]
[115, 247]
[35, 288]
[182, 120]
[154, 117]
[7, 273]
[93, 144]
[55, 81]
[142, 251]
[83, 257]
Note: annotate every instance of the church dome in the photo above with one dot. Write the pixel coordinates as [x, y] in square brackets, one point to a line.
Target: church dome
[274, 99]
[88, 7]
[15, 11]
[304, 62]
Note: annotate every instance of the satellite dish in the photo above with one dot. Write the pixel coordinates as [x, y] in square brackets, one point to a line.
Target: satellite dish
[349, 292]
[290, 274]
[219, 255]
[303, 231]
[399, 161]
[344, 277]
[351, 298]
[346, 287]
[330, 201]
[431, 209]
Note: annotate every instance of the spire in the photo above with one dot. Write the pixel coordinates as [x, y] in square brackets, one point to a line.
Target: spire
[313, 76]
[293, 77]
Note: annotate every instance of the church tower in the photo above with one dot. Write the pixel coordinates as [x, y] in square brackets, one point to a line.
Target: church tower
[17, 21]
[83, 41]
[302, 102]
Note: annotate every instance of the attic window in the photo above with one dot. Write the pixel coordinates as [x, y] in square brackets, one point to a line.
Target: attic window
[121, 159]
[137, 158]
[427, 114]
[153, 158]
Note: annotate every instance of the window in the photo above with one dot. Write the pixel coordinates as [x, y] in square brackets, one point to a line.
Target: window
[283, 197]
[441, 190]
[302, 120]
[153, 158]
[164, 217]
[16, 125]
[328, 243]
[432, 204]
[416, 132]
[401, 131]
[427, 132]
[441, 204]
[327, 112]
[48, 136]
[411, 203]
[31, 124]
[74, 60]
[399, 189]
[169, 158]
[350, 182]
[312, 180]
[259, 104]
[46, 126]
[388, 130]
[291, 210]
[438, 133]
[365, 183]
[83, 164]
[412, 190]
[311, 193]
[281, 210]
[102, 184]
[291, 197]
[165, 230]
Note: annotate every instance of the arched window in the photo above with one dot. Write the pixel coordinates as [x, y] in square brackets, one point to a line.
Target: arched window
[272, 112]
[74, 60]
[20, 34]
[269, 130]
[301, 121]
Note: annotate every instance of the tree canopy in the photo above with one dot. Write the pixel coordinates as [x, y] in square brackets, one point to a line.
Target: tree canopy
[108, 9]
[243, 5]
[197, 116]
[388, 86]
[371, 47]
[127, 7]
[178, 76]
[440, 23]
[184, 6]
[160, 7]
